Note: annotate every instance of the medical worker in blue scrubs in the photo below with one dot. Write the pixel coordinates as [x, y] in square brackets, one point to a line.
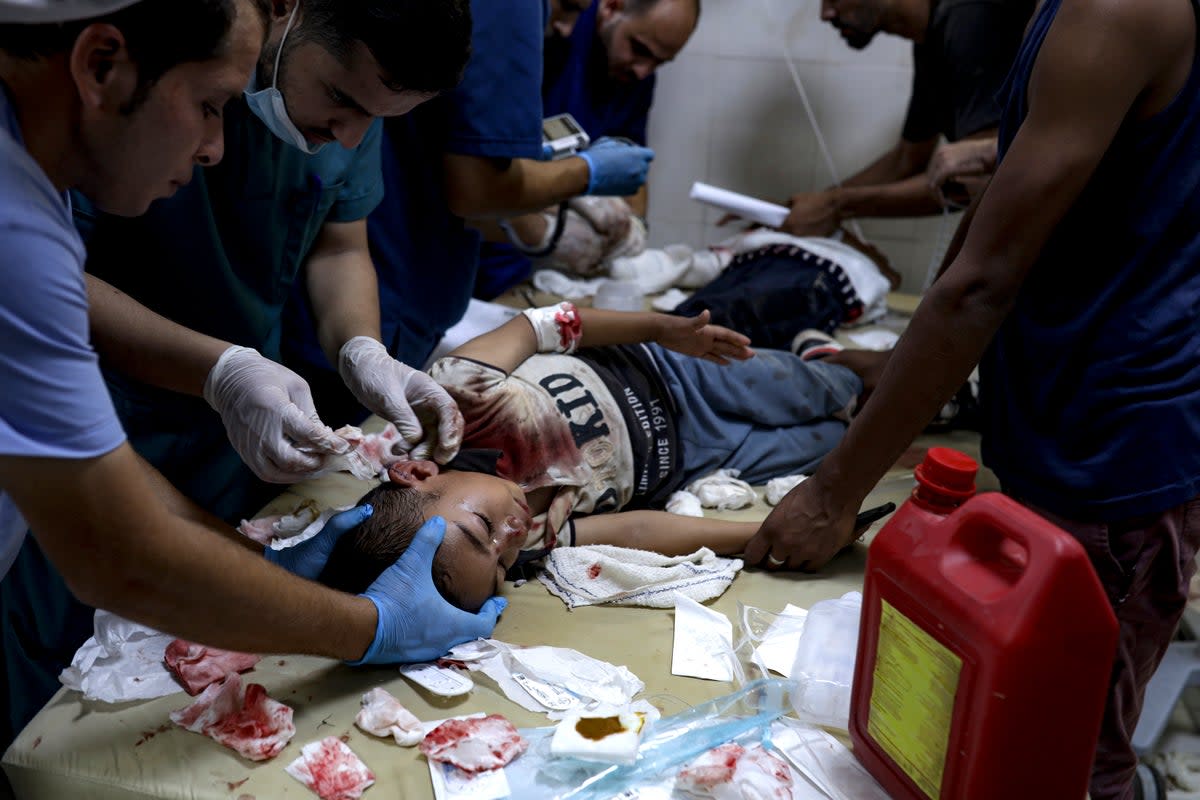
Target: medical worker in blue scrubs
[601, 73]
[471, 155]
[221, 253]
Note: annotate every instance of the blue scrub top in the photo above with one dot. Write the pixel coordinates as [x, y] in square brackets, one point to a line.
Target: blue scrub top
[576, 83]
[221, 257]
[53, 403]
[425, 257]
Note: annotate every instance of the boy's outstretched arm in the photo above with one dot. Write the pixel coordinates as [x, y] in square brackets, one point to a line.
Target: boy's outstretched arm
[564, 328]
[661, 532]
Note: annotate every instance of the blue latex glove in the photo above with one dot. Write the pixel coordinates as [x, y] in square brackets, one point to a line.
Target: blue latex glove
[307, 559]
[616, 167]
[415, 621]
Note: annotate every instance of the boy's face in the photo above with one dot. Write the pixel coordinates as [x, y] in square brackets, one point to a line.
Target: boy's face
[487, 521]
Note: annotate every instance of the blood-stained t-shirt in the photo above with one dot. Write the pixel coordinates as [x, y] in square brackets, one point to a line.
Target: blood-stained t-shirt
[564, 422]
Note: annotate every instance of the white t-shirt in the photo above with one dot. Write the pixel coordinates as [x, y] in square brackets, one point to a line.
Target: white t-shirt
[556, 423]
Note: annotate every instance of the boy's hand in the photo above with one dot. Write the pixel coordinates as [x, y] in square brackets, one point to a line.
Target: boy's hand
[693, 336]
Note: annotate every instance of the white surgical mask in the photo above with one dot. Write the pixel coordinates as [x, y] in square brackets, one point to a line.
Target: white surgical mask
[268, 105]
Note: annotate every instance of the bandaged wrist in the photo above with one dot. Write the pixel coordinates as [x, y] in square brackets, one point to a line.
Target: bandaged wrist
[558, 328]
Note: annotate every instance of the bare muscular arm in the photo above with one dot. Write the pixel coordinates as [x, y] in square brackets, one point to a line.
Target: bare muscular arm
[121, 548]
[148, 346]
[1102, 61]
[892, 185]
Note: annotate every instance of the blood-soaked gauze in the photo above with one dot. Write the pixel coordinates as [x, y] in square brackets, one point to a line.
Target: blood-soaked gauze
[558, 328]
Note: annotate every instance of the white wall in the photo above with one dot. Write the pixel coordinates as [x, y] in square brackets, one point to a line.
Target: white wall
[726, 112]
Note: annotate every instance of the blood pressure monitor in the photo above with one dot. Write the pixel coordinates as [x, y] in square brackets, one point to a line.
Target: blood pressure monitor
[562, 136]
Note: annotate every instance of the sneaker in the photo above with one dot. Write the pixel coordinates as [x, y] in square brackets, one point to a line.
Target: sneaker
[812, 343]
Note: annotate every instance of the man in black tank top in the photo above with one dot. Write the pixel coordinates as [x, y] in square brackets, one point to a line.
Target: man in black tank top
[1076, 287]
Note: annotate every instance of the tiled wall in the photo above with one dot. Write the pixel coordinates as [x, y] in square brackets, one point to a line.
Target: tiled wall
[726, 112]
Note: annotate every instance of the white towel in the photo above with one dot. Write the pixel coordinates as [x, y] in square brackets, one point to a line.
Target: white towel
[556, 283]
[605, 575]
[669, 300]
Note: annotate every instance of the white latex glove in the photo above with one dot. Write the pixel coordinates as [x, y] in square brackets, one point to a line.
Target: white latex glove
[428, 420]
[269, 416]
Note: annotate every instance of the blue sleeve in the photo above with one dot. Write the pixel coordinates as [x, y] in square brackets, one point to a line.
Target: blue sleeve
[640, 112]
[496, 112]
[54, 403]
[362, 188]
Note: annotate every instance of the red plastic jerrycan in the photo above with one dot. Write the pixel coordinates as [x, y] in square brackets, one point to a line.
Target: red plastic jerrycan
[984, 651]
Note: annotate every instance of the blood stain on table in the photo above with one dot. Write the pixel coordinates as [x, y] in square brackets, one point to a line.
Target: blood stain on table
[148, 735]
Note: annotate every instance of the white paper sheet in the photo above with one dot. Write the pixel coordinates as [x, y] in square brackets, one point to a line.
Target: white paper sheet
[748, 208]
[703, 646]
[551, 672]
[825, 761]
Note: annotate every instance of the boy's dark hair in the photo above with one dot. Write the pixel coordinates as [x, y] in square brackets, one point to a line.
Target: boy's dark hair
[160, 35]
[363, 553]
[422, 45]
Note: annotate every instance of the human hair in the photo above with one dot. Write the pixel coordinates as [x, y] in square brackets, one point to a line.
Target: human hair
[422, 45]
[362, 554]
[159, 34]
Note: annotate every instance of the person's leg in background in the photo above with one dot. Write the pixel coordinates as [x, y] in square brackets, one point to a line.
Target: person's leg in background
[1145, 565]
[720, 408]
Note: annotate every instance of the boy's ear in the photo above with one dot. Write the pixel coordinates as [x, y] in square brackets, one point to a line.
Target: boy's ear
[412, 473]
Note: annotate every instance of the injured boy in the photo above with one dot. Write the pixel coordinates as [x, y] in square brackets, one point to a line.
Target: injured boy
[572, 414]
